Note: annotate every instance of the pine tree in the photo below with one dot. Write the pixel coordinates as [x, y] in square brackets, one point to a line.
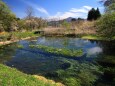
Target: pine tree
[89, 15]
[93, 14]
[97, 14]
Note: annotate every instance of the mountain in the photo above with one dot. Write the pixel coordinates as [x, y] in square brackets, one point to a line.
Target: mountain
[68, 19]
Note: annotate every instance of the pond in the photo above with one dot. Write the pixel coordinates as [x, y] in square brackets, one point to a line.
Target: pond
[86, 70]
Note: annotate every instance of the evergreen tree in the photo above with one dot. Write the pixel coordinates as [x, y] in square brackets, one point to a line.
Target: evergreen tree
[73, 19]
[89, 15]
[93, 14]
[97, 14]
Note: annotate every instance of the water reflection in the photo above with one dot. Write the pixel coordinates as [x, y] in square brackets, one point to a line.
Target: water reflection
[108, 47]
[94, 50]
[7, 52]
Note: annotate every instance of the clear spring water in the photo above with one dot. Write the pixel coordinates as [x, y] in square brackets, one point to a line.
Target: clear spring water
[35, 61]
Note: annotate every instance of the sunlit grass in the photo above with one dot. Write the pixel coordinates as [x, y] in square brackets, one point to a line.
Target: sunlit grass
[96, 37]
[93, 37]
[17, 35]
[13, 77]
[24, 34]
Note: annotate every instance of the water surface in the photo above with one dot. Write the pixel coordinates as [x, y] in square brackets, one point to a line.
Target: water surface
[58, 67]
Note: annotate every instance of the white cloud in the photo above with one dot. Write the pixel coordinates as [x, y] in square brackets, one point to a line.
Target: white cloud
[73, 12]
[38, 8]
[42, 10]
[87, 7]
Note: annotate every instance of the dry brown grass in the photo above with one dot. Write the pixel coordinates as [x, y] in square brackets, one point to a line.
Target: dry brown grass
[54, 31]
[83, 27]
[3, 33]
[86, 27]
[47, 80]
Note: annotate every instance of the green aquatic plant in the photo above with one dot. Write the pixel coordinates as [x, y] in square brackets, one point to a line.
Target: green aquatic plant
[20, 46]
[62, 51]
[79, 74]
[107, 66]
[71, 81]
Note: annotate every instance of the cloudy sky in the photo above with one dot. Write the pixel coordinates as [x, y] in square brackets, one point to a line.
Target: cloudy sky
[54, 8]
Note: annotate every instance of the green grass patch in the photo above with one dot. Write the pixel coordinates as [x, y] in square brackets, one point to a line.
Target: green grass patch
[62, 51]
[96, 37]
[17, 35]
[20, 35]
[12, 77]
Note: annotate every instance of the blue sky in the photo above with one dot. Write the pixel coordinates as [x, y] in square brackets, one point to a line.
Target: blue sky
[54, 8]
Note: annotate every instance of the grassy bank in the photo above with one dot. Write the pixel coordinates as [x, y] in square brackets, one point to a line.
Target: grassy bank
[96, 37]
[6, 38]
[12, 77]
[92, 37]
[16, 35]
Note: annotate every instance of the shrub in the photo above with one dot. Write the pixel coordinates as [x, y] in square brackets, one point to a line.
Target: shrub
[66, 25]
[106, 25]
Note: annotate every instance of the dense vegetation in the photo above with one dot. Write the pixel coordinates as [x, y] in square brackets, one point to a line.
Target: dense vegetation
[7, 18]
[9, 22]
[106, 25]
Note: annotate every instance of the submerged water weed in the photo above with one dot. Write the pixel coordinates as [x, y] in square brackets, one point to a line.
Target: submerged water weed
[20, 46]
[84, 74]
[62, 51]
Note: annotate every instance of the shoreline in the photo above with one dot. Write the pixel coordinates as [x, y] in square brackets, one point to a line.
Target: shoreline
[81, 36]
[85, 37]
[13, 73]
[12, 41]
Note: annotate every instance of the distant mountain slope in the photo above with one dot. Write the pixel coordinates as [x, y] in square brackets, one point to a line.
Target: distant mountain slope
[68, 19]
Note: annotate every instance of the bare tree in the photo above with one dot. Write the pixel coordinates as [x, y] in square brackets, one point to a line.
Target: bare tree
[107, 2]
[29, 12]
[29, 17]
